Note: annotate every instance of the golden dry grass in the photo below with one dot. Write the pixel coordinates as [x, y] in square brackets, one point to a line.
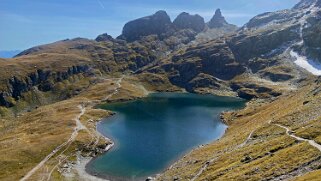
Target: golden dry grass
[23, 66]
[26, 140]
[269, 153]
[33, 136]
[312, 176]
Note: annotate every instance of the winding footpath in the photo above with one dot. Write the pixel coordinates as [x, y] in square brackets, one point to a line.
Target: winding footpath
[79, 126]
[204, 167]
[116, 90]
[118, 86]
[290, 133]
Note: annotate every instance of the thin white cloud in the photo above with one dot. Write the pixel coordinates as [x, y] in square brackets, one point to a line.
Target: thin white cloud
[101, 4]
[14, 17]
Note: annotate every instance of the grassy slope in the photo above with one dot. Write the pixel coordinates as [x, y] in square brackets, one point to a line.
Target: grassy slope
[27, 140]
[270, 152]
[23, 66]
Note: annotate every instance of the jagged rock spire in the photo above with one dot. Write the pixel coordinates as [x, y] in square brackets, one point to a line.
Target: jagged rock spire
[217, 20]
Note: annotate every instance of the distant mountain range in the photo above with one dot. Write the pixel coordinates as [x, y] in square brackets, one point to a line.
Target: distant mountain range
[8, 53]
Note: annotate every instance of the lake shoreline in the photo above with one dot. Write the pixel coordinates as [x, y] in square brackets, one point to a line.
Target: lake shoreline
[85, 161]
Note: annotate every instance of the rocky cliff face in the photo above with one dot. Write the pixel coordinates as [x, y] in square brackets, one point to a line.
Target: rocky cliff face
[296, 30]
[265, 18]
[303, 4]
[184, 28]
[157, 24]
[201, 66]
[312, 39]
[187, 21]
[43, 80]
[266, 44]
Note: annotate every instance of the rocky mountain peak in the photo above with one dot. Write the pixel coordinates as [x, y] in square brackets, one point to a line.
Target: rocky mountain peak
[156, 24]
[307, 3]
[162, 14]
[187, 21]
[104, 37]
[217, 20]
[218, 13]
[298, 14]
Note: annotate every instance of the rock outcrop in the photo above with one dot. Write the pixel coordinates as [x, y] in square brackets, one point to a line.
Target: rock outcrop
[218, 20]
[167, 36]
[247, 46]
[307, 3]
[43, 80]
[215, 59]
[187, 21]
[312, 39]
[318, 3]
[104, 37]
[157, 24]
[265, 18]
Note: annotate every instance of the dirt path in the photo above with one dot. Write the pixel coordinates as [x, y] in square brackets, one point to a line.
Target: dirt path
[246, 141]
[118, 86]
[290, 133]
[204, 167]
[79, 126]
[97, 134]
[79, 168]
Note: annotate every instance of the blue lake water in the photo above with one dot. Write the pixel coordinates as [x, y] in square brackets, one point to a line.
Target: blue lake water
[153, 132]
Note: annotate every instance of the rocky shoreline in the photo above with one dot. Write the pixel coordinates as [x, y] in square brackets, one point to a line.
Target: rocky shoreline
[77, 169]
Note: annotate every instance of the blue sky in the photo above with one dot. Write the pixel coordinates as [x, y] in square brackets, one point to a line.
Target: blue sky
[27, 23]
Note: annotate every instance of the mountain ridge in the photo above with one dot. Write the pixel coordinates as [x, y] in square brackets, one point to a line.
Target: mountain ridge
[162, 26]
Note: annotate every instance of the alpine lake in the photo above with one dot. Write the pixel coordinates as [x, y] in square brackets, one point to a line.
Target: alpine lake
[152, 133]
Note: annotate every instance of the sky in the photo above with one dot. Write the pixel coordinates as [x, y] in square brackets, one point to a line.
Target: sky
[27, 23]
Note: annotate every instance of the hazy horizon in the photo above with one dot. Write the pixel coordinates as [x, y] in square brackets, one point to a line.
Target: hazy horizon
[40, 22]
